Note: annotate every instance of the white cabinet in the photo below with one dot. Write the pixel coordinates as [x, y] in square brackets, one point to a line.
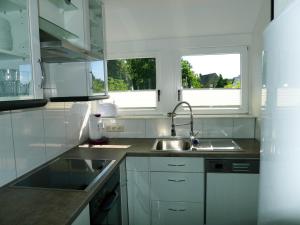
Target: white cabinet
[177, 190]
[232, 199]
[138, 184]
[83, 218]
[20, 71]
[74, 66]
[170, 186]
[177, 213]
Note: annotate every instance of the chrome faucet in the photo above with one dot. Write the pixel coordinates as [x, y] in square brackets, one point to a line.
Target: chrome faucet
[191, 123]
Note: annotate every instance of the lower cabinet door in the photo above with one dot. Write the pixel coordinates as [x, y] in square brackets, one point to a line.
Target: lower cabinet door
[138, 198]
[177, 213]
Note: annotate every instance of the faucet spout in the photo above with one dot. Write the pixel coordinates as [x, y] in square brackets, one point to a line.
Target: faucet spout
[173, 126]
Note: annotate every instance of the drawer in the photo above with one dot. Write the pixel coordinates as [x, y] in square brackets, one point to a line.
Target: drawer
[177, 164]
[137, 163]
[177, 186]
[177, 213]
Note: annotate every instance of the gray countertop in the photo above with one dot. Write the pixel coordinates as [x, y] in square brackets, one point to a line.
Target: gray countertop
[29, 206]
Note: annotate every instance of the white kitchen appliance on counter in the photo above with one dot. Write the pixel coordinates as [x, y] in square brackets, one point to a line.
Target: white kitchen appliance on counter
[279, 200]
[108, 110]
[95, 127]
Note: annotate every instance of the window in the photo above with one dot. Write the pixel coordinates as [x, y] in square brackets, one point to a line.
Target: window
[132, 82]
[215, 81]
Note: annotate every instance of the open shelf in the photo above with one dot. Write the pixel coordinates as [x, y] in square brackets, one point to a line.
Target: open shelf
[64, 5]
[12, 5]
[4, 54]
[55, 30]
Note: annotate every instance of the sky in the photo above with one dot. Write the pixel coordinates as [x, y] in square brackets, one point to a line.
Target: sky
[228, 65]
[97, 69]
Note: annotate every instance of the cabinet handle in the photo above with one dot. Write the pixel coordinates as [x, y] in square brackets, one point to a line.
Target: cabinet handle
[177, 210]
[178, 180]
[176, 164]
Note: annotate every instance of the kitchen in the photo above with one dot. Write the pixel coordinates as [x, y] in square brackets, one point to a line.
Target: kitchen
[74, 72]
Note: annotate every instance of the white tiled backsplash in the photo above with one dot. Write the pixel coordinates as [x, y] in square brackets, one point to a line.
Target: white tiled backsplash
[31, 137]
[204, 127]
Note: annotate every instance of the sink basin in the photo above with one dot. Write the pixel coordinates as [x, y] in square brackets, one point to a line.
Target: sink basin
[172, 144]
[221, 145]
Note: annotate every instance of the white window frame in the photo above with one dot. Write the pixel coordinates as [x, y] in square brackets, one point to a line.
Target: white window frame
[140, 111]
[243, 51]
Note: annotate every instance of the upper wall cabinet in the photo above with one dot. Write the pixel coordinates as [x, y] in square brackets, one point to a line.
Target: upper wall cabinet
[72, 36]
[20, 71]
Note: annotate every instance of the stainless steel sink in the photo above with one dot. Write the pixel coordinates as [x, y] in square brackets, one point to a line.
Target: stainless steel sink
[172, 144]
[217, 145]
[206, 145]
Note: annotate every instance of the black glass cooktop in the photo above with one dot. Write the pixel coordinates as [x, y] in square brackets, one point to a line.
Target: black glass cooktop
[74, 174]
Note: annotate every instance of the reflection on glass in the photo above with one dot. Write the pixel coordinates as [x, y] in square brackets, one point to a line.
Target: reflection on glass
[15, 62]
[96, 26]
[211, 80]
[98, 77]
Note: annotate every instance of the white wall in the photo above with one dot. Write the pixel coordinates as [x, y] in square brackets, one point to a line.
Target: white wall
[164, 28]
[31, 137]
[280, 5]
[128, 20]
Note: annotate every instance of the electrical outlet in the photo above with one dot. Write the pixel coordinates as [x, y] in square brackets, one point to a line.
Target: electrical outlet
[114, 128]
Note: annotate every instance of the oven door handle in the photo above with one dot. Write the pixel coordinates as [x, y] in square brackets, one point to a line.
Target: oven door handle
[110, 200]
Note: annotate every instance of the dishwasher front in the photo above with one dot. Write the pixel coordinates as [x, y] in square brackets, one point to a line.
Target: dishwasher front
[231, 191]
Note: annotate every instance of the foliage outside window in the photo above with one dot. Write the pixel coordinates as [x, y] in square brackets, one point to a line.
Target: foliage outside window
[132, 82]
[211, 80]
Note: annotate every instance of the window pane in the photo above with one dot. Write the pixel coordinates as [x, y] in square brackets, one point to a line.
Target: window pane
[132, 82]
[212, 80]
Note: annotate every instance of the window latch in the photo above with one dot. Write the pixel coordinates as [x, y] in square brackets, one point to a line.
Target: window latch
[179, 95]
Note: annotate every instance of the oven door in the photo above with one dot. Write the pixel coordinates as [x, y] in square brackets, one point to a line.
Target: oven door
[108, 211]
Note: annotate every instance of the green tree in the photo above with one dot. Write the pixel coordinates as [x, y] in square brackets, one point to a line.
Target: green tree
[189, 78]
[117, 85]
[142, 73]
[98, 85]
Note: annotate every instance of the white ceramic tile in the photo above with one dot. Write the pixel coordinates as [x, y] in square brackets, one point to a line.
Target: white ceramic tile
[54, 119]
[198, 127]
[132, 128]
[73, 123]
[84, 125]
[243, 128]
[7, 158]
[28, 134]
[158, 128]
[217, 128]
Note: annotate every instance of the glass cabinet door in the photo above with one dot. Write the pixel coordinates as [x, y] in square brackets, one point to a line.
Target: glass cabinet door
[98, 76]
[16, 72]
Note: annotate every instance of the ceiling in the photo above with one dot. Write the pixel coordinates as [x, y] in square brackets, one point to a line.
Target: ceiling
[128, 20]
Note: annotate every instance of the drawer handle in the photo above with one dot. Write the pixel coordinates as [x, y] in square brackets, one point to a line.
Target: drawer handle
[177, 210]
[179, 180]
[176, 164]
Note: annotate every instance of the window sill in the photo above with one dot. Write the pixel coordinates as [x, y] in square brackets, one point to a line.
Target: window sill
[22, 104]
[161, 116]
